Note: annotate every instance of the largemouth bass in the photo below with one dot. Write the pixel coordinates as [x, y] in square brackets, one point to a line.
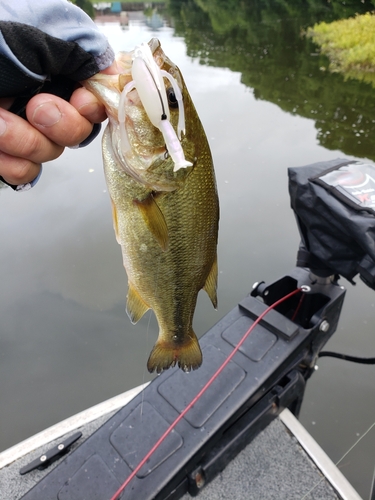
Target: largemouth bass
[161, 181]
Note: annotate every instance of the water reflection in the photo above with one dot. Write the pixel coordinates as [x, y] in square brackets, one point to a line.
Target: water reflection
[154, 21]
[265, 42]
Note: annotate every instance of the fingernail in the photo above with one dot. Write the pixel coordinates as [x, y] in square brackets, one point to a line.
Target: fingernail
[3, 126]
[89, 108]
[46, 114]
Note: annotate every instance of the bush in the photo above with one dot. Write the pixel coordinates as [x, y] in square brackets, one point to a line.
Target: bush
[349, 45]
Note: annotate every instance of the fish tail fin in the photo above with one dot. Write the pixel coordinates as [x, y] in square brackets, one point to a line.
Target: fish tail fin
[186, 354]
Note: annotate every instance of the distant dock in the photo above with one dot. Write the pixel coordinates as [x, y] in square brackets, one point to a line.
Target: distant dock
[106, 8]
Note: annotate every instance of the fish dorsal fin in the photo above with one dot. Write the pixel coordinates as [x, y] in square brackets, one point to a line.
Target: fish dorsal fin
[211, 283]
[154, 220]
[135, 305]
[115, 222]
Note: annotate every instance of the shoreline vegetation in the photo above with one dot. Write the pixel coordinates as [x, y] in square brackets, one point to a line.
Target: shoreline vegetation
[349, 45]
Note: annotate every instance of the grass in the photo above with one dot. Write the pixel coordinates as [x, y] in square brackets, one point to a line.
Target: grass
[349, 44]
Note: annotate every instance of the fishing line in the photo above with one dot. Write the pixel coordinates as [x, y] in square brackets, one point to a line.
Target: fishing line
[201, 392]
[341, 459]
[164, 115]
[298, 307]
[148, 325]
[144, 368]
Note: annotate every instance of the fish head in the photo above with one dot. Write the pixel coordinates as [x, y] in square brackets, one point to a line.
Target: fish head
[148, 106]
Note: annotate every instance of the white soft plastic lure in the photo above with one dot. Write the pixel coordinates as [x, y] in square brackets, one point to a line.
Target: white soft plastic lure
[149, 83]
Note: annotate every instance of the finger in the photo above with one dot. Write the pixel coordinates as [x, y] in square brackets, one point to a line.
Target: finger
[20, 139]
[57, 120]
[17, 171]
[88, 105]
[113, 69]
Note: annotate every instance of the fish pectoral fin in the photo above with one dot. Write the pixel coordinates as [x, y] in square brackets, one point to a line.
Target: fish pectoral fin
[135, 305]
[154, 220]
[211, 283]
[115, 222]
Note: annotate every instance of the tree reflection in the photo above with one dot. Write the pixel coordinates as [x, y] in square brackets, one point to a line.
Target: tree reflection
[85, 5]
[263, 40]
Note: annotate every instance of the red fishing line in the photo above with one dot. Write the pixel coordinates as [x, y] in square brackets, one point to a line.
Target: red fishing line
[200, 393]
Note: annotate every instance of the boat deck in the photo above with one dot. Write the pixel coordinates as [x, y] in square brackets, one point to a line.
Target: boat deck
[243, 418]
[283, 462]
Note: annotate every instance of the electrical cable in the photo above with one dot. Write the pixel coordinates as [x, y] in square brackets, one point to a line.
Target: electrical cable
[347, 357]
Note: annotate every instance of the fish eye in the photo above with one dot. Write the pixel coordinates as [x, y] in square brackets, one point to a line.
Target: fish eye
[171, 96]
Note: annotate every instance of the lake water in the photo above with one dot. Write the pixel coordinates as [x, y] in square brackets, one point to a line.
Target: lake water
[267, 102]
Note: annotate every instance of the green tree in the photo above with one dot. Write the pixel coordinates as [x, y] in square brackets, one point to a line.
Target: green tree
[264, 43]
[85, 5]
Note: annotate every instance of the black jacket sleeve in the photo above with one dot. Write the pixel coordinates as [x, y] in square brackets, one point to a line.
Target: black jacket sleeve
[47, 48]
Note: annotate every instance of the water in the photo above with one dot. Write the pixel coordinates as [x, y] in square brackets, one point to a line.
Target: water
[266, 104]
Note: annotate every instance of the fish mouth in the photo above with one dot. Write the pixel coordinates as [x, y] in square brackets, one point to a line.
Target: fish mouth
[148, 160]
[146, 142]
[148, 79]
[151, 153]
[137, 124]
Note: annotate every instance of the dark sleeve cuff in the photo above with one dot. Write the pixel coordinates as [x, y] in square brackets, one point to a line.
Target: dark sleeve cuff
[23, 187]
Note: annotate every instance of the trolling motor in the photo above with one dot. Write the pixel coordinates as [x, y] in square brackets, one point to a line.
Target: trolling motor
[266, 374]
[334, 204]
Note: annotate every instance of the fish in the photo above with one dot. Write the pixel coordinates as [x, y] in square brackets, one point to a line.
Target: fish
[160, 176]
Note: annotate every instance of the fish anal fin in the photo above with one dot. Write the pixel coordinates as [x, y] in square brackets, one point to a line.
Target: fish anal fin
[154, 220]
[135, 305]
[168, 353]
[211, 283]
[115, 222]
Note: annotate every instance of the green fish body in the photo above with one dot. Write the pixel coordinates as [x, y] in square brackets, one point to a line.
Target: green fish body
[165, 210]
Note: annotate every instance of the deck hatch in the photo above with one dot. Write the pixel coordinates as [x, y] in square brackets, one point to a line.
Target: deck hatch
[132, 443]
[190, 384]
[256, 345]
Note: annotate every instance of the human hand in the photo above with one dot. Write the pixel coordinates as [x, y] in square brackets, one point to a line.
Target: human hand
[47, 50]
[52, 125]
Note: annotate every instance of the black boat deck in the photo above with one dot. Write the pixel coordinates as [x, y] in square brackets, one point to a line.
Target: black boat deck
[273, 466]
[234, 427]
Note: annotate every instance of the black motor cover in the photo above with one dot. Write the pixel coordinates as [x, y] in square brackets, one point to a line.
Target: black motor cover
[334, 203]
